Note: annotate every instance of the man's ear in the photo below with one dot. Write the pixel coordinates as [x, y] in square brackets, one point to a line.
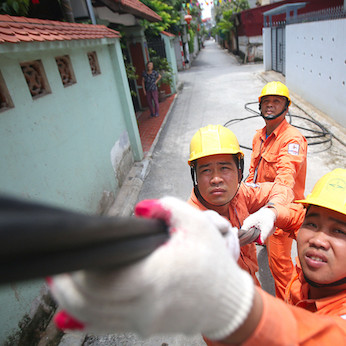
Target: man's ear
[240, 169]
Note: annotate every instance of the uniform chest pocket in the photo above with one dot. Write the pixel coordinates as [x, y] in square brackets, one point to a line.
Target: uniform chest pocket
[269, 162]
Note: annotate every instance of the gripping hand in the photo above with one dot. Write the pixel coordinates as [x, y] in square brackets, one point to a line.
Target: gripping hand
[264, 220]
[191, 284]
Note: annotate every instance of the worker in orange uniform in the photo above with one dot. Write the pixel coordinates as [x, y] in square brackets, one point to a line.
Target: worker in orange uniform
[192, 284]
[278, 155]
[217, 165]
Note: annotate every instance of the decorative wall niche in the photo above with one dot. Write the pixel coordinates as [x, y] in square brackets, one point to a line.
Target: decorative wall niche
[35, 78]
[94, 64]
[5, 97]
[66, 70]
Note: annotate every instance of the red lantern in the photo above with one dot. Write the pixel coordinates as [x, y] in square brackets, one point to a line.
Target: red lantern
[188, 18]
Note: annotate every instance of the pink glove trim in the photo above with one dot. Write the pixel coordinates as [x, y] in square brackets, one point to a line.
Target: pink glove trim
[259, 240]
[152, 209]
[65, 321]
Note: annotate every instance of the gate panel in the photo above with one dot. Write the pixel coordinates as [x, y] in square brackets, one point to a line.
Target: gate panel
[278, 49]
[273, 49]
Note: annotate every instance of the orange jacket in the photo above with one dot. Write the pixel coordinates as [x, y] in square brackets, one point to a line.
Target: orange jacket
[297, 294]
[280, 158]
[284, 324]
[249, 199]
[302, 321]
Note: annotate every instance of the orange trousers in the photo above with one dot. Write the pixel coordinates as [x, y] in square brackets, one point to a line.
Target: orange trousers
[279, 247]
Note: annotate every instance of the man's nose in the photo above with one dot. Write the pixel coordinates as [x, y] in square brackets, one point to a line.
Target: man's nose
[216, 179]
[320, 240]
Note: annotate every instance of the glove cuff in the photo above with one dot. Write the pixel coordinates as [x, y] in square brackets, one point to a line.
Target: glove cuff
[234, 304]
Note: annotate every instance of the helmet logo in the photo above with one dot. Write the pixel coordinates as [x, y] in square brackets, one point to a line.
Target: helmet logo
[336, 184]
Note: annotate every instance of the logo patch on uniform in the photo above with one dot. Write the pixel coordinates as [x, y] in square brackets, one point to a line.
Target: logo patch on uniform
[293, 149]
[252, 185]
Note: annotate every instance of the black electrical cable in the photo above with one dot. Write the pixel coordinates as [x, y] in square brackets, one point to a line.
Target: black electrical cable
[322, 133]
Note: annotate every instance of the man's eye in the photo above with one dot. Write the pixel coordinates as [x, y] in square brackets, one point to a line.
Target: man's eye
[309, 224]
[340, 231]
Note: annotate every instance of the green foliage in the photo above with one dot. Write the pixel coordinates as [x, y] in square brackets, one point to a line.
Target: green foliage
[162, 65]
[192, 41]
[225, 25]
[165, 9]
[130, 72]
[224, 14]
[235, 6]
[14, 7]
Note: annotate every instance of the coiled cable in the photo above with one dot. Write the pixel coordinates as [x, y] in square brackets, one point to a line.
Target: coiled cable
[321, 135]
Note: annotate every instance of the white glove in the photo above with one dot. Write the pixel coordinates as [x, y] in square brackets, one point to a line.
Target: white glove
[229, 233]
[189, 285]
[263, 219]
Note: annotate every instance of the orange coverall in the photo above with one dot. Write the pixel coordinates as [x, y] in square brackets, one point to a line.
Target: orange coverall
[247, 201]
[280, 158]
[308, 322]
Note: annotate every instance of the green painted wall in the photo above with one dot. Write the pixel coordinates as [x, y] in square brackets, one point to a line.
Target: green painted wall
[57, 148]
[65, 148]
[170, 53]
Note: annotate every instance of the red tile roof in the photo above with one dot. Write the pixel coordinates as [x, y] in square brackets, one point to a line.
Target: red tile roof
[167, 33]
[22, 29]
[135, 7]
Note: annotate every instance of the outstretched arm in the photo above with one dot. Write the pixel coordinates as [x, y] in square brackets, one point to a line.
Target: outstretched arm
[192, 284]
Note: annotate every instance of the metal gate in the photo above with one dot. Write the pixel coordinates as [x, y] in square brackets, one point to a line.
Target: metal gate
[158, 45]
[278, 49]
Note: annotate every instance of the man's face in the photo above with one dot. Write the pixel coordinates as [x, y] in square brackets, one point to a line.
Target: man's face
[217, 178]
[321, 245]
[272, 105]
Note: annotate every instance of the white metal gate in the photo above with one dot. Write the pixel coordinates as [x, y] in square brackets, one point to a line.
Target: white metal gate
[278, 49]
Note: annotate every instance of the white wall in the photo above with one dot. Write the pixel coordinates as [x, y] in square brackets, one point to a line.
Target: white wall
[251, 46]
[177, 50]
[316, 65]
[267, 43]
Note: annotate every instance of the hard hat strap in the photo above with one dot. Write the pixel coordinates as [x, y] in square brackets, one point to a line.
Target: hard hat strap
[332, 284]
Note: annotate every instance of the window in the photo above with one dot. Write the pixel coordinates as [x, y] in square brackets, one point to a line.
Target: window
[35, 78]
[66, 71]
[94, 64]
[5, 98]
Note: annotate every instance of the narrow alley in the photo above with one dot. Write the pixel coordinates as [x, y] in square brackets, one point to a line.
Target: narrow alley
[215, 90]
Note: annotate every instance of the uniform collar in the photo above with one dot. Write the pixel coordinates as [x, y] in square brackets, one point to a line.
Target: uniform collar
[282, 127]
[302, 296]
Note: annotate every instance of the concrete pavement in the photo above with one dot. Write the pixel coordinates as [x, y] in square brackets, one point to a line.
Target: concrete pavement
[216, 89]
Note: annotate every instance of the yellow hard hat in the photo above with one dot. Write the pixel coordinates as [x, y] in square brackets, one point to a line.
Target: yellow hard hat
[329, 192]
[213, 140]
[277, 89]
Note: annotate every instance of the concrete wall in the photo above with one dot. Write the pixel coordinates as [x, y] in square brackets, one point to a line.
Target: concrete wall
[316, 65]
[69, 148]
[267, 43]
[170, 54]
[178, 56]
[65, 147]
[251, 47]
